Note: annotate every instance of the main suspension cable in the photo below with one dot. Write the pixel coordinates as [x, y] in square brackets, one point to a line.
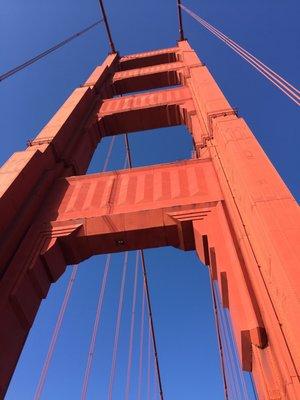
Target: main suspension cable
[181, 34]
[31, 61]
[111, 43]
[282, 84]
[55, 334]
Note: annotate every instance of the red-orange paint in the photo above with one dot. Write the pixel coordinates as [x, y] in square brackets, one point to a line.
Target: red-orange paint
[229, 204]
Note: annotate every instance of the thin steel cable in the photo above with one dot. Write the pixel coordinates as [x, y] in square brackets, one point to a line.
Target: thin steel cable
[287, 91]
[156, 381]
[267, 69]
[236, 47]
[149, 360]
[253, 386]
[95, 329]
[181, 34]
[127, 161]
[259, 67]
[129, 365]
[100, 299]
[117, 329]
[155, 384]
[151, 324]
[218, 331]
[128, 152]
[287, 88]
[235, 353]
[111, 145]
[55, 334]
[110, 40]
[31, 61]
[231, 367]
[140, 375]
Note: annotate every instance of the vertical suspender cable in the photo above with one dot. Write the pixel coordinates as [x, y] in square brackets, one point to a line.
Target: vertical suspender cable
[140, 376]
[149, 361]
[128, 152]
[107, 158]
[127, 389]
[155, 384]
[55, 334]
[218, 331]
[234, 371]
[151, 324]
[100, 300]
[61, 314]
[117, 329]
[233, 349]
[253, 387]
[233, 384]
[95, 329]
[147, 293]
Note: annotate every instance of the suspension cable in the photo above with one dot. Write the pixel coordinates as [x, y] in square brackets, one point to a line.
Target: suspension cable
[235, 46]
[111, 145]
[117, 329]
[151, 324]
[237, 385]
[287, 88]
[128, 152]
[181, 34]
[31, 61]
[149, 361]
[55, 334]
[129, 365]
[218, 331]
[111, 43]
[233, 349]
[233, 384]
[155, 383]
[140, 375]
[95, 329]
[253, 387]
[102, 288]
[147, 292]
[257, 64]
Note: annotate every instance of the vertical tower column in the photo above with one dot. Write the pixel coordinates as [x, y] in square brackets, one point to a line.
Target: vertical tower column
[263, 221]
[64, 147]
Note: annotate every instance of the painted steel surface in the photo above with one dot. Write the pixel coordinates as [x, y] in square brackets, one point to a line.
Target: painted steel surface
[229, 204]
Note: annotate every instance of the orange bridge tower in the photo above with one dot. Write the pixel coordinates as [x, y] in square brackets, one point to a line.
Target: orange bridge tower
[228, 204]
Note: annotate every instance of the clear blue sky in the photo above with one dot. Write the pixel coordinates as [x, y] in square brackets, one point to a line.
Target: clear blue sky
[179, 284]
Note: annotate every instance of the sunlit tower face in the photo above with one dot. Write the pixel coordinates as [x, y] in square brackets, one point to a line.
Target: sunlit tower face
[216, 204]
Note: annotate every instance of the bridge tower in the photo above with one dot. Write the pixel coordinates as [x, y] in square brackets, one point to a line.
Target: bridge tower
[228, 203]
